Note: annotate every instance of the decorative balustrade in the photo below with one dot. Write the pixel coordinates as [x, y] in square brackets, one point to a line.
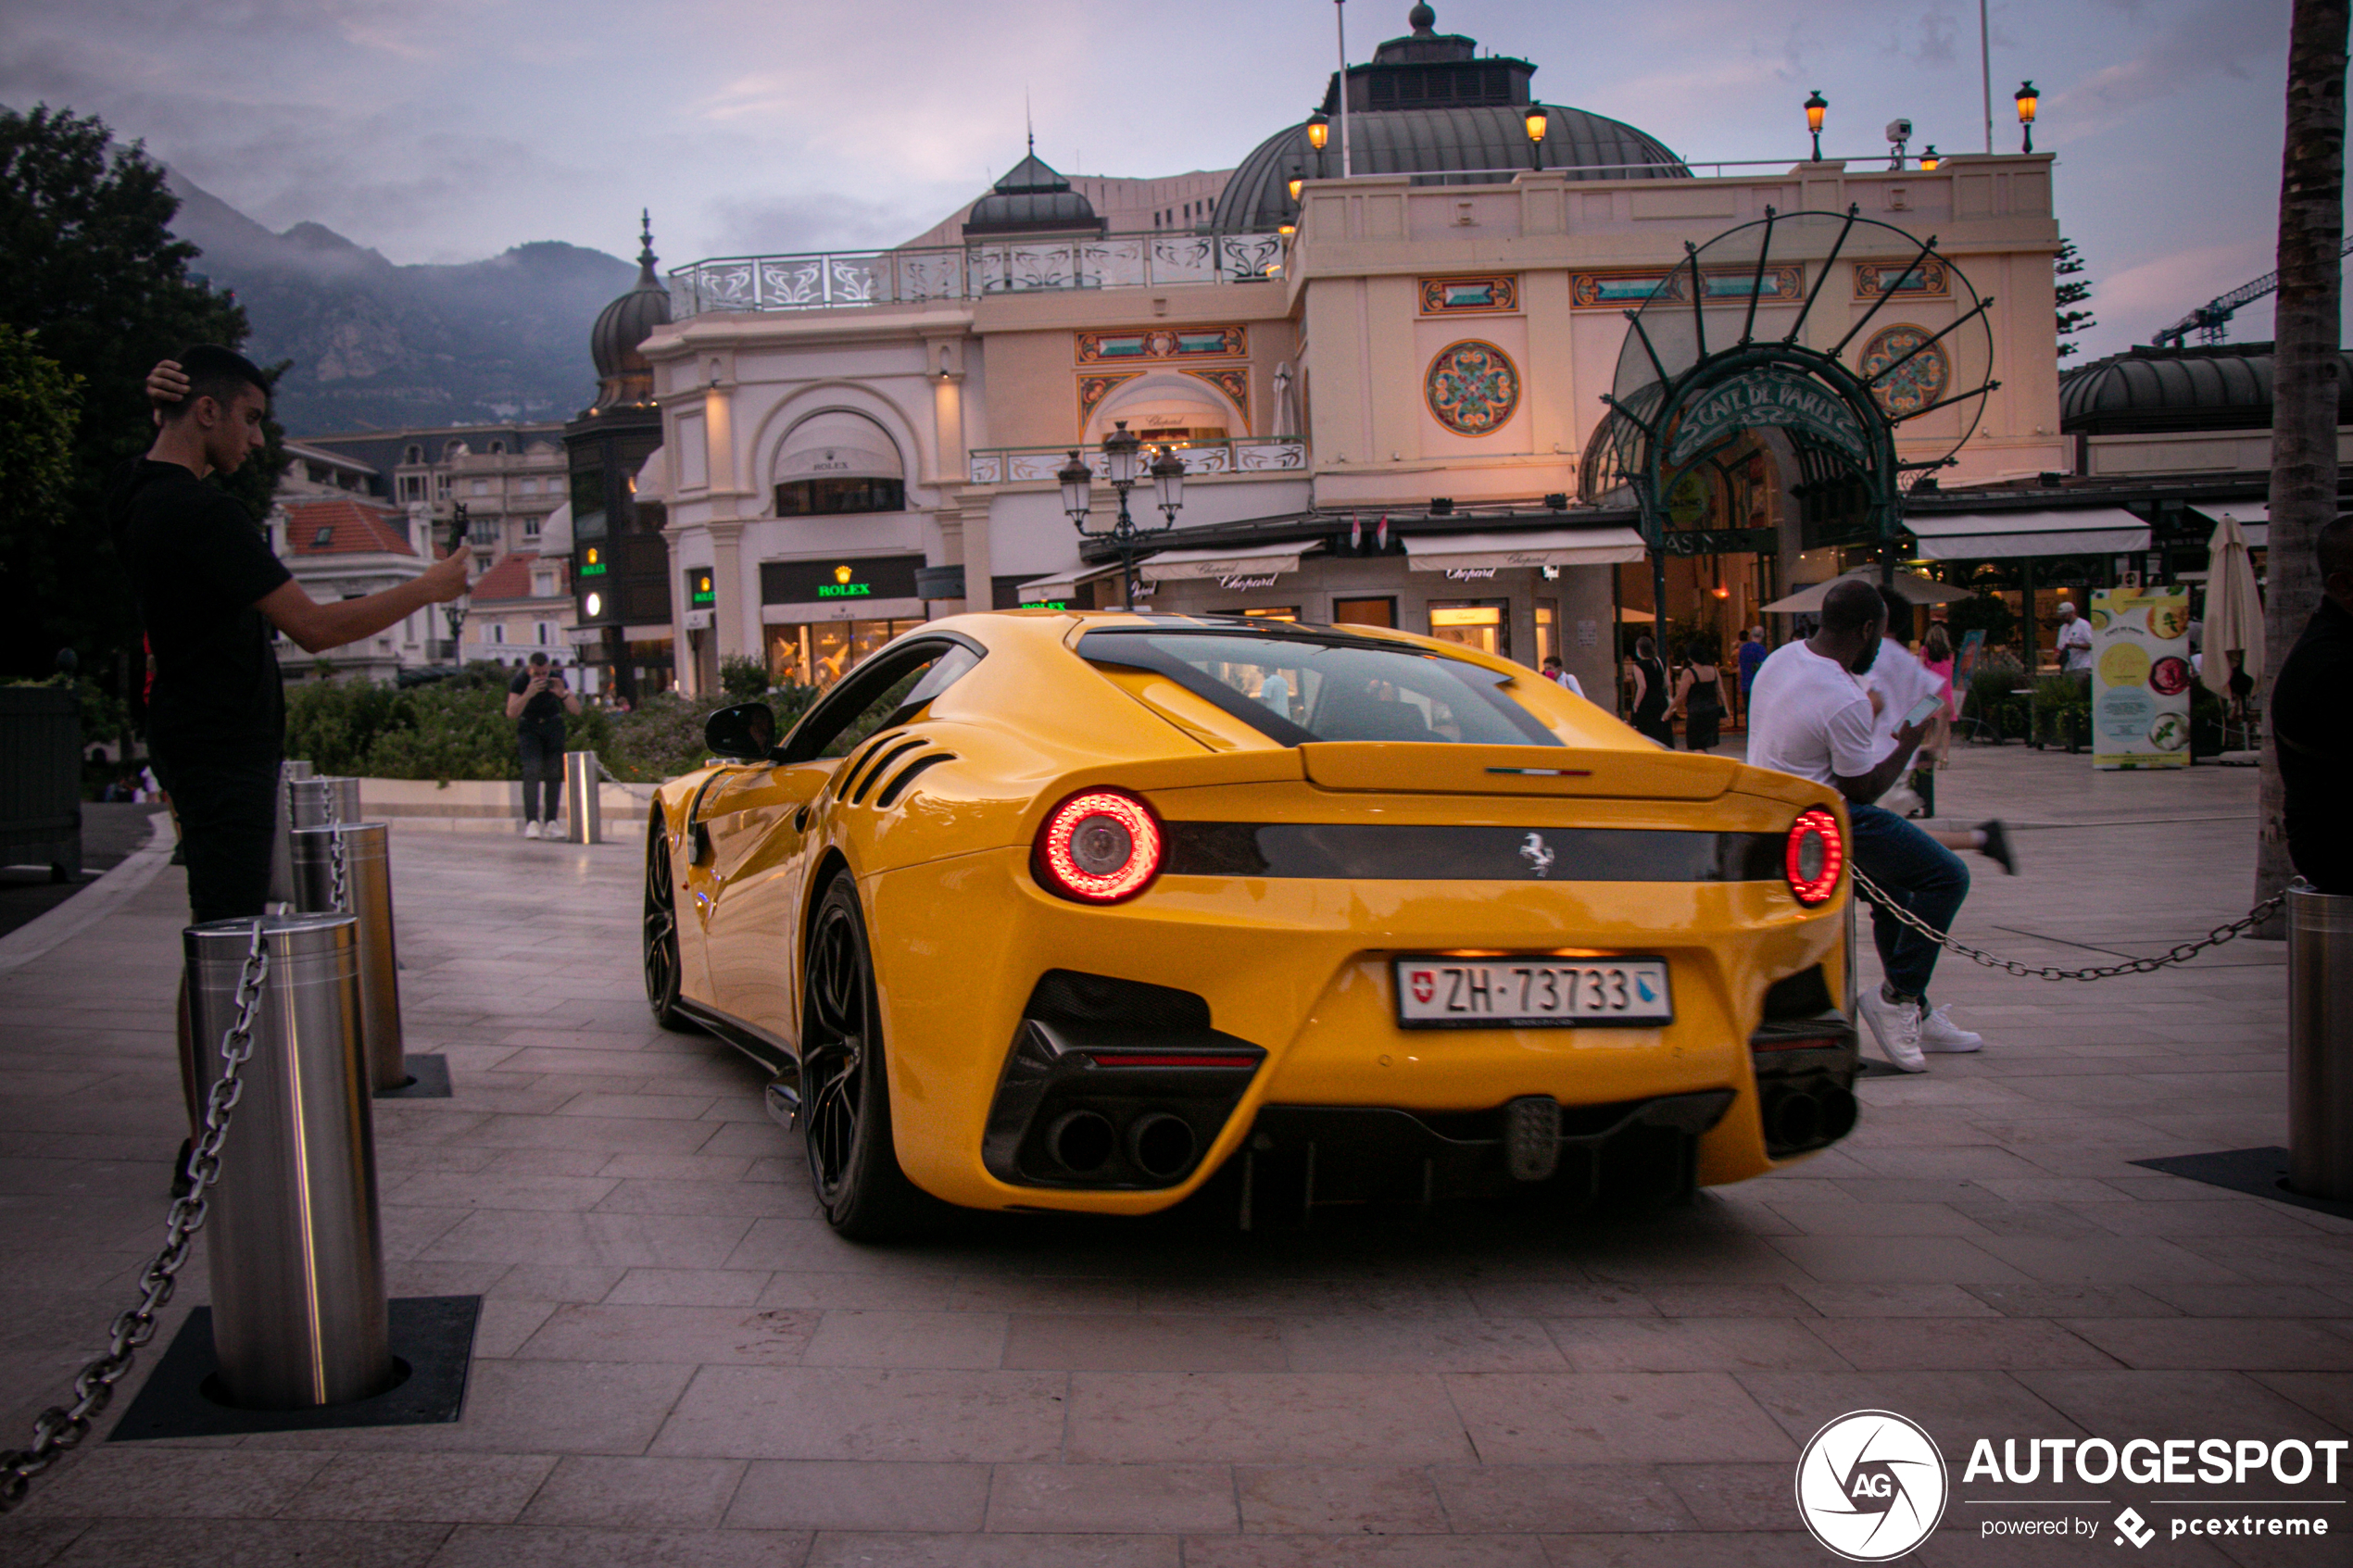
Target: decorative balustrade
[1024, 465]
[832, 279]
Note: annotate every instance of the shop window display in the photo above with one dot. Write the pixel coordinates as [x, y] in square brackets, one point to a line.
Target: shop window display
[819, 653]
[1484, 624]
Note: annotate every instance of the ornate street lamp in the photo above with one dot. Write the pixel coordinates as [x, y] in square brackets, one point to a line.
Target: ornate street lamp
[1121, 449]
[454, 610]
[1319, 131]
[1816, 106]
[2026, 97]
[1538, 120]
[1929, 158]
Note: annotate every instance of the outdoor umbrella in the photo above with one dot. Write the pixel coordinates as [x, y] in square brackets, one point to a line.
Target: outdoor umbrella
[2233, 612]
[1915, 588]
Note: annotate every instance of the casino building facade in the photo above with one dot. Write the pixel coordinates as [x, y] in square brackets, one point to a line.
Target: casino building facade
[1386, 389]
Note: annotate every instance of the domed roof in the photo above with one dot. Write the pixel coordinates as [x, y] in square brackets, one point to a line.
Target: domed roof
[622, 375]
[1031, 199]
[2219, 386]
[1430, 102]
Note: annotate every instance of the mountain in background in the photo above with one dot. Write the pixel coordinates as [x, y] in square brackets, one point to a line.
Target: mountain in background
[376, 345]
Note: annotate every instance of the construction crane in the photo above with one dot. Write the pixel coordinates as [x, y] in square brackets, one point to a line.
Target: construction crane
[2211, 321]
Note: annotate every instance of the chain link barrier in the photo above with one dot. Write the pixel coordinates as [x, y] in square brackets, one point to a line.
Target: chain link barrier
[613, 778]
[60, 1428]
[335, 850]
[2180, 953]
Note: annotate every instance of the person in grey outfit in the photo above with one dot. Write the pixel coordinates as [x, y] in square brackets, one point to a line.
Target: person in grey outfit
[538, 700]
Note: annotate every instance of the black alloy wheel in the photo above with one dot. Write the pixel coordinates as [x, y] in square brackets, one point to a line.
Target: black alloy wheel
[844, 1111]
[661, 932]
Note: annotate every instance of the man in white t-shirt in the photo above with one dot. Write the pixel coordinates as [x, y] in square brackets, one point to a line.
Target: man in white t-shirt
[1810, 715]
[2074, 645]
[1558, 676]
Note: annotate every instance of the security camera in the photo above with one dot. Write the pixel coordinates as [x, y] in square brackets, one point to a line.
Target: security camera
[1899, 130]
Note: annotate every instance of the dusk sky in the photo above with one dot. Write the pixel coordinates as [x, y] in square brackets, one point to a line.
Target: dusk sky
[449, 130]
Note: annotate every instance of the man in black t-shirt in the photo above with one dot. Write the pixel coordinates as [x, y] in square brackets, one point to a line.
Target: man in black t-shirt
[538, 700]
[208, 591]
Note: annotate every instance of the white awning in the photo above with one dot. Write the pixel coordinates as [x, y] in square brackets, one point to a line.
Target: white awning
[555, 531]
[1551, 546]
[837, 445]
[2254, 518]
[2006, 535]
[1062, 587]
[653, 477]
[1240, 560]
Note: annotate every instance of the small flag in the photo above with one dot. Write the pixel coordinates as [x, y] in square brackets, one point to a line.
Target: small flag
[1356, 534]
[1380, 537]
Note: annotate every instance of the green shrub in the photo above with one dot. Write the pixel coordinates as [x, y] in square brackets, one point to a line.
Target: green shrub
[742, 678]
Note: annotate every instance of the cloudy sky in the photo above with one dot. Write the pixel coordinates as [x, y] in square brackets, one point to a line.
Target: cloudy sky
[448, 129]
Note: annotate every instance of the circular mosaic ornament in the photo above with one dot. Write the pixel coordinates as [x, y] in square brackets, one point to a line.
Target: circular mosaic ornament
[1472, 388]
[1921, 380]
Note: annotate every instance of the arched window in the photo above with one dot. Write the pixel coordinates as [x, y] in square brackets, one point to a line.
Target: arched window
[415, 454]
[838, 462]
[497, 449]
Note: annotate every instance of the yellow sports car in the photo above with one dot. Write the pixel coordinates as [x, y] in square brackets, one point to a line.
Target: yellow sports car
[1056, 910]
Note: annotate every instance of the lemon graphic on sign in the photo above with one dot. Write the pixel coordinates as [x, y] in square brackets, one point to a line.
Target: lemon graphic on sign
[2126, 664]
[2169, 621]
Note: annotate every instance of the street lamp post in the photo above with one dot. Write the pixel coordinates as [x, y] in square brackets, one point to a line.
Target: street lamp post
[454, 610]
[1538, 120]
[1816, 106]
[2026, 97]
[1320, 132]
[1121, 449]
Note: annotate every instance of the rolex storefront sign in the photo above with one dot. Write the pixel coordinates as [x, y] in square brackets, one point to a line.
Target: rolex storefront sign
[820, 617]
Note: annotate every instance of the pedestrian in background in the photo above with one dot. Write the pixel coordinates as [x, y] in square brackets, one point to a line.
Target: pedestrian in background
[2074, 645]
[538, 700]
[1652, 694]
[1699, 696]
[1750, 658]
[1936, 659]
[1560, 677]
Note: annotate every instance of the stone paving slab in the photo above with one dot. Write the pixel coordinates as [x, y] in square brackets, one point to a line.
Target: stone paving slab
[678, 1363]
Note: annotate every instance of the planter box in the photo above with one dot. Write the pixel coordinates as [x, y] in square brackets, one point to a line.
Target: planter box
[41, 779]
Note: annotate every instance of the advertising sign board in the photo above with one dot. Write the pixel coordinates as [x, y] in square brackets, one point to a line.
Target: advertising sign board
[2141, 678]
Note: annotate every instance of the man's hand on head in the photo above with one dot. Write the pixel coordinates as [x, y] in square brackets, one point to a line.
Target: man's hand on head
[166, 387]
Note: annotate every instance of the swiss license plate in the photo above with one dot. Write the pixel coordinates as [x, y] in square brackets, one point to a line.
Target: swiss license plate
[1532, 992]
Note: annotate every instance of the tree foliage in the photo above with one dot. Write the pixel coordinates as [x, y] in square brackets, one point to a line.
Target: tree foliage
[40, 405]
[2072, 290]
[94, 269]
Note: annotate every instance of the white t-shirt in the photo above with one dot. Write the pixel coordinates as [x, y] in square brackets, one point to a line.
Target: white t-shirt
[1566, 679]
[1808, 715]
[2074, 645]
[1901, 681]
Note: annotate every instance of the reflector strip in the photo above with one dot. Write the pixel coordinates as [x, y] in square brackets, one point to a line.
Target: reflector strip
[1169, 1059]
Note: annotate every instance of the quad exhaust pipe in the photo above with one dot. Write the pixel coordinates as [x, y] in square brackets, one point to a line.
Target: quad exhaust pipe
[1160, 1143]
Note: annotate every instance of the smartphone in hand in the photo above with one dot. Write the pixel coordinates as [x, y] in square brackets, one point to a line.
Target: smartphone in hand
[1918, 712]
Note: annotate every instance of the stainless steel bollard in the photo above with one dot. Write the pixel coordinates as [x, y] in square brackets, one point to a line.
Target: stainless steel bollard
[367, 869]
[584, 810]
[282, 876]
[2320, 1043]
[306, 801]
[298, 1311]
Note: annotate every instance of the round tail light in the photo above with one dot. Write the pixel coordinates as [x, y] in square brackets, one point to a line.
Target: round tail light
[1100, 846]
[1814, 856]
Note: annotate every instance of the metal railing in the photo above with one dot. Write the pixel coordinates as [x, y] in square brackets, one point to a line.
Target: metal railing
[1023, 465]
[829, 279]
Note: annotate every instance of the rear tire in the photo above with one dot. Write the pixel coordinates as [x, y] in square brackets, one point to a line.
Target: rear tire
[660, 933]
[853, 1163]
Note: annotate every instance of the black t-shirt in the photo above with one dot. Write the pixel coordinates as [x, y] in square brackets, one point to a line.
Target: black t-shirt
[549, 704]
[2314, 738]
[197, 564]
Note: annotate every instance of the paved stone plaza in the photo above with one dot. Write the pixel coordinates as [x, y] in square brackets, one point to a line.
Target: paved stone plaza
[678, 1364]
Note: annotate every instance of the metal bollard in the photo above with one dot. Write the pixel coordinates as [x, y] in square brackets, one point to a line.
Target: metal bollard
[281, 875]
[584, 812]
[306, 801]
[2320, 1043]
[299, 1317]
[367, 869]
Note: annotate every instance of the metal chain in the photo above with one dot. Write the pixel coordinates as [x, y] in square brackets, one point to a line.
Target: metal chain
[2181, 953]
[60, 1428]
[334, 849]
[611, 777]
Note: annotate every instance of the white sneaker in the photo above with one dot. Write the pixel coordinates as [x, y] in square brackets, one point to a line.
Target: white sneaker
[531, 830]
[1939, 1033]
[1896, 1027]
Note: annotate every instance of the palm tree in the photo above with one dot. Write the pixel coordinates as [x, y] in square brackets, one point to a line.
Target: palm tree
[2304, 363]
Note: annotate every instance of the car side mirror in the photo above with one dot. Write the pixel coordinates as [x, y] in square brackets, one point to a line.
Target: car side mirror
[746, 732]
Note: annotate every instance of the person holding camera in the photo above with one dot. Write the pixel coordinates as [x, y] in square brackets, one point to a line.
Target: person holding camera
[538, 700]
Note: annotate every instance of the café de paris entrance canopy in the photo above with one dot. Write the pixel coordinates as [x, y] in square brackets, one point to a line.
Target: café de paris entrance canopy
[1764, 387]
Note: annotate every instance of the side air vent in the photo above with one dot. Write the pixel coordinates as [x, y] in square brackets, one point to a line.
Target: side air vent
[891, 791]
[880, 758]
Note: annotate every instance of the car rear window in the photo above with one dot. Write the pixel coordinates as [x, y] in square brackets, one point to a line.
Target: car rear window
[1314, 685]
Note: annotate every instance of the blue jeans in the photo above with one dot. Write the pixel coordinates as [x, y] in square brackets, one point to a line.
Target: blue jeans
[1921, 874]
